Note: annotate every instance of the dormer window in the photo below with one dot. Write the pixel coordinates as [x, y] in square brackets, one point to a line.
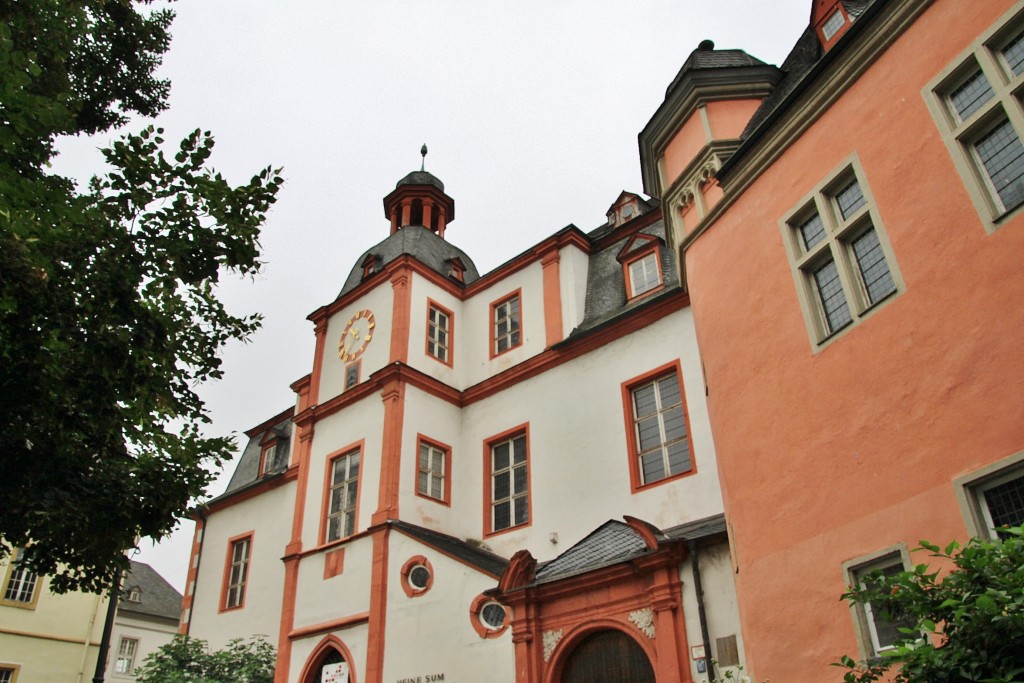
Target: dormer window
[835, 22]
[274, 453]
[134, 594]
[370, 265]
[641, 265]
[456, 270]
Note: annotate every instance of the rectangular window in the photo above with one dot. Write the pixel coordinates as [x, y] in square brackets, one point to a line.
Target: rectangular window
[879, 630]
[506, 332]
[20, 584]
[432, 471]
[342, 492]
[126, 650]
[994, 497]
[237, 571]
[508, 481]
[352, 375]
[439, 332]
[833, 24]
[975, 104]
[8, 673]
[644, 275]
[839, 254]
[658, 436]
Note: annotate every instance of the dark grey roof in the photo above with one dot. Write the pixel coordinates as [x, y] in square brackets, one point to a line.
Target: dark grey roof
[611, 543]
[606, 288]
[472, 554]
[699, 529]
[248, 468]
[707, 57]
[421, 178]
[158, 598]
[420, 243]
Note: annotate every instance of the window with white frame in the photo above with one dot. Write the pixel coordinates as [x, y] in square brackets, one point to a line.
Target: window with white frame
[880, 630]
[8, 674]
[21, 583]
[644, 274]
[238, 572]
[840, 255]
[506, 325]
[661, 442]
[342, 493]
[431, 475]
[976, 103]
[126, 650]
[439, 333]
[509, 483]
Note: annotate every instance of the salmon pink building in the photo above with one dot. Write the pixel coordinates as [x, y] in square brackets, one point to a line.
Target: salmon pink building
[503, 477]
[850, 231]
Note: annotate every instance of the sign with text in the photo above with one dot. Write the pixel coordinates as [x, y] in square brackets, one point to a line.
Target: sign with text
[334, 673]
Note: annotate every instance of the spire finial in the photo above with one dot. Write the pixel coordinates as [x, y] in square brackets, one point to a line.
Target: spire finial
[423, 153]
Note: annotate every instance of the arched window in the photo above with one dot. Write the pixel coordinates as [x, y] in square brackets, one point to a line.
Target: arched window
[607, 657]
[323, 664]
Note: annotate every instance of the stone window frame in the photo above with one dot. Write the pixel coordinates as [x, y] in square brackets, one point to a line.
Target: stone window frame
[839, 235]
[984, 54]
[853, 571]
[970, 490]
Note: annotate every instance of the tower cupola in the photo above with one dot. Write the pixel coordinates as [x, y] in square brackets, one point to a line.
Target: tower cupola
[419, 199]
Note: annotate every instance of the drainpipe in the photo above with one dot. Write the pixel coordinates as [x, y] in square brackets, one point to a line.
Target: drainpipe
[87, 638]
[108, 627]
[702, 614]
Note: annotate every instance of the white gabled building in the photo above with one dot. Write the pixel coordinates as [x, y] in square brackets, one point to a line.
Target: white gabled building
[503, 477]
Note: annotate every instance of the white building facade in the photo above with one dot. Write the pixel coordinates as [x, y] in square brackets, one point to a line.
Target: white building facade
[498, 477]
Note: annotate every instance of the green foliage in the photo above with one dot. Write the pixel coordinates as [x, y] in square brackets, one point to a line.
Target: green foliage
[969, 622]
[108, 312]
[190, 659]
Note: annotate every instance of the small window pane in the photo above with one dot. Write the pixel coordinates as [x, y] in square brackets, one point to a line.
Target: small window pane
[653, 466]
[969, 97]
[1006, 503]
[521, 510]
[833, 300]
[502, 516]
[832, 26]
[874, 270]
[1014, 54]
[1002, 155]
[812, 230]
[849, 199]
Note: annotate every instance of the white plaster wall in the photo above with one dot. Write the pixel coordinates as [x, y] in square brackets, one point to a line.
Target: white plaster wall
[717, 580]
[269, 517]
[354, 638]
[151, 635]
[438, 622]
[476, 334]
[573, 269]
[422, 289]
[438, 421]
[380, 300]
[319, 600]
[362, 420]
[578, 451]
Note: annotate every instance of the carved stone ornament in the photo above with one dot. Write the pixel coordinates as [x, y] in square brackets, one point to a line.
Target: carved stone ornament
[644, 620]
[551, 639]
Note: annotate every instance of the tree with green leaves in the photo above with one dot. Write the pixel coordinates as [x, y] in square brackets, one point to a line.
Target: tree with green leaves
[190, 659]
[108, 311]
[967, 617]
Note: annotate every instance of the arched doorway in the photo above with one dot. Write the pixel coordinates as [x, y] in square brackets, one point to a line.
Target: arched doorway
[322, 664]
[608, 656]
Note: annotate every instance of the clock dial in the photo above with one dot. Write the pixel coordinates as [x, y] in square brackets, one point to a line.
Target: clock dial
[357, 335]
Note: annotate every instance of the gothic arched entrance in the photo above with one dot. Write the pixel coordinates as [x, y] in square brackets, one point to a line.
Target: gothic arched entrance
[327, 654]
[608, 656]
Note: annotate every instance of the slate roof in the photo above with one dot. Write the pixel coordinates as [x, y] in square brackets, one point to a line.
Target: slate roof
[247, 470]
[699, 529]
[470, 553]
[418, 242]
[798, 65]
[159, 599]
[707, 57]
[606, 287]
[611, 543]
[421, 178]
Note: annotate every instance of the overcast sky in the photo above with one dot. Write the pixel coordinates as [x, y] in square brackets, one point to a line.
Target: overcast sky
[531, 111]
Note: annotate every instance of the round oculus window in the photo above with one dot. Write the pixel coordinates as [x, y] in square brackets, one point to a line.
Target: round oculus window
[419, 577]
[492, 615]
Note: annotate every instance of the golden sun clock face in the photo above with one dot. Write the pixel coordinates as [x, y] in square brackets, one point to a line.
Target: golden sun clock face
[357, 335]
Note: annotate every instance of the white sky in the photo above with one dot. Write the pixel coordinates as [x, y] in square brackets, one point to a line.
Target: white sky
[531, 111]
